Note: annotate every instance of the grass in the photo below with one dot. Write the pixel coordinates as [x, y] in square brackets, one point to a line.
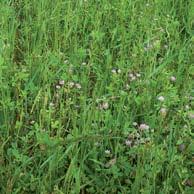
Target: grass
[96, 96]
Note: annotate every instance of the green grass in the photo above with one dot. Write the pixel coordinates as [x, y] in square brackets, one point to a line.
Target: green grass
[116, 58]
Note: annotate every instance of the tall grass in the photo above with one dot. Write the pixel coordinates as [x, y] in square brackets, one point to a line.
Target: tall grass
[80, 96]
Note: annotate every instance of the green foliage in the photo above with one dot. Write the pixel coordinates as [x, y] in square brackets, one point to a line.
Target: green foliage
[96, 96]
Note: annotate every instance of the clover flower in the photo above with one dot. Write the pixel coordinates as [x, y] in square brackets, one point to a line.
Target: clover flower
[172, 78]
[163, 112]
[104, 106]
[78, 86]
[58, 87]
[71, 84]
[61, 82]
[161, 98]
[107, 152]
[128, 143]
[143, 126]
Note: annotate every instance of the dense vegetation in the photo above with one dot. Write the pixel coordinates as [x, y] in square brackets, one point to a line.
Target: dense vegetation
[96, 96]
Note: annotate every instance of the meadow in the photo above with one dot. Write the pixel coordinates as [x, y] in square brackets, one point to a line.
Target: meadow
[96, 96]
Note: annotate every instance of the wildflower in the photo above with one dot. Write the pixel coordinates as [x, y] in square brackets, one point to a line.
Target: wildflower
[187, 107]
[128, 143]
[107, 152]
[71, 84]
[144, 127]
[66, 61]
[114, 71]
[78, 86]
[104, 106]
[51, 104]
[61, 82]
[32, 122]
[161, 98]
[163, 112]
[131, 75]
[84, 63]
[58, 86]
[173, 78]
[133, 78]
[138, 75]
